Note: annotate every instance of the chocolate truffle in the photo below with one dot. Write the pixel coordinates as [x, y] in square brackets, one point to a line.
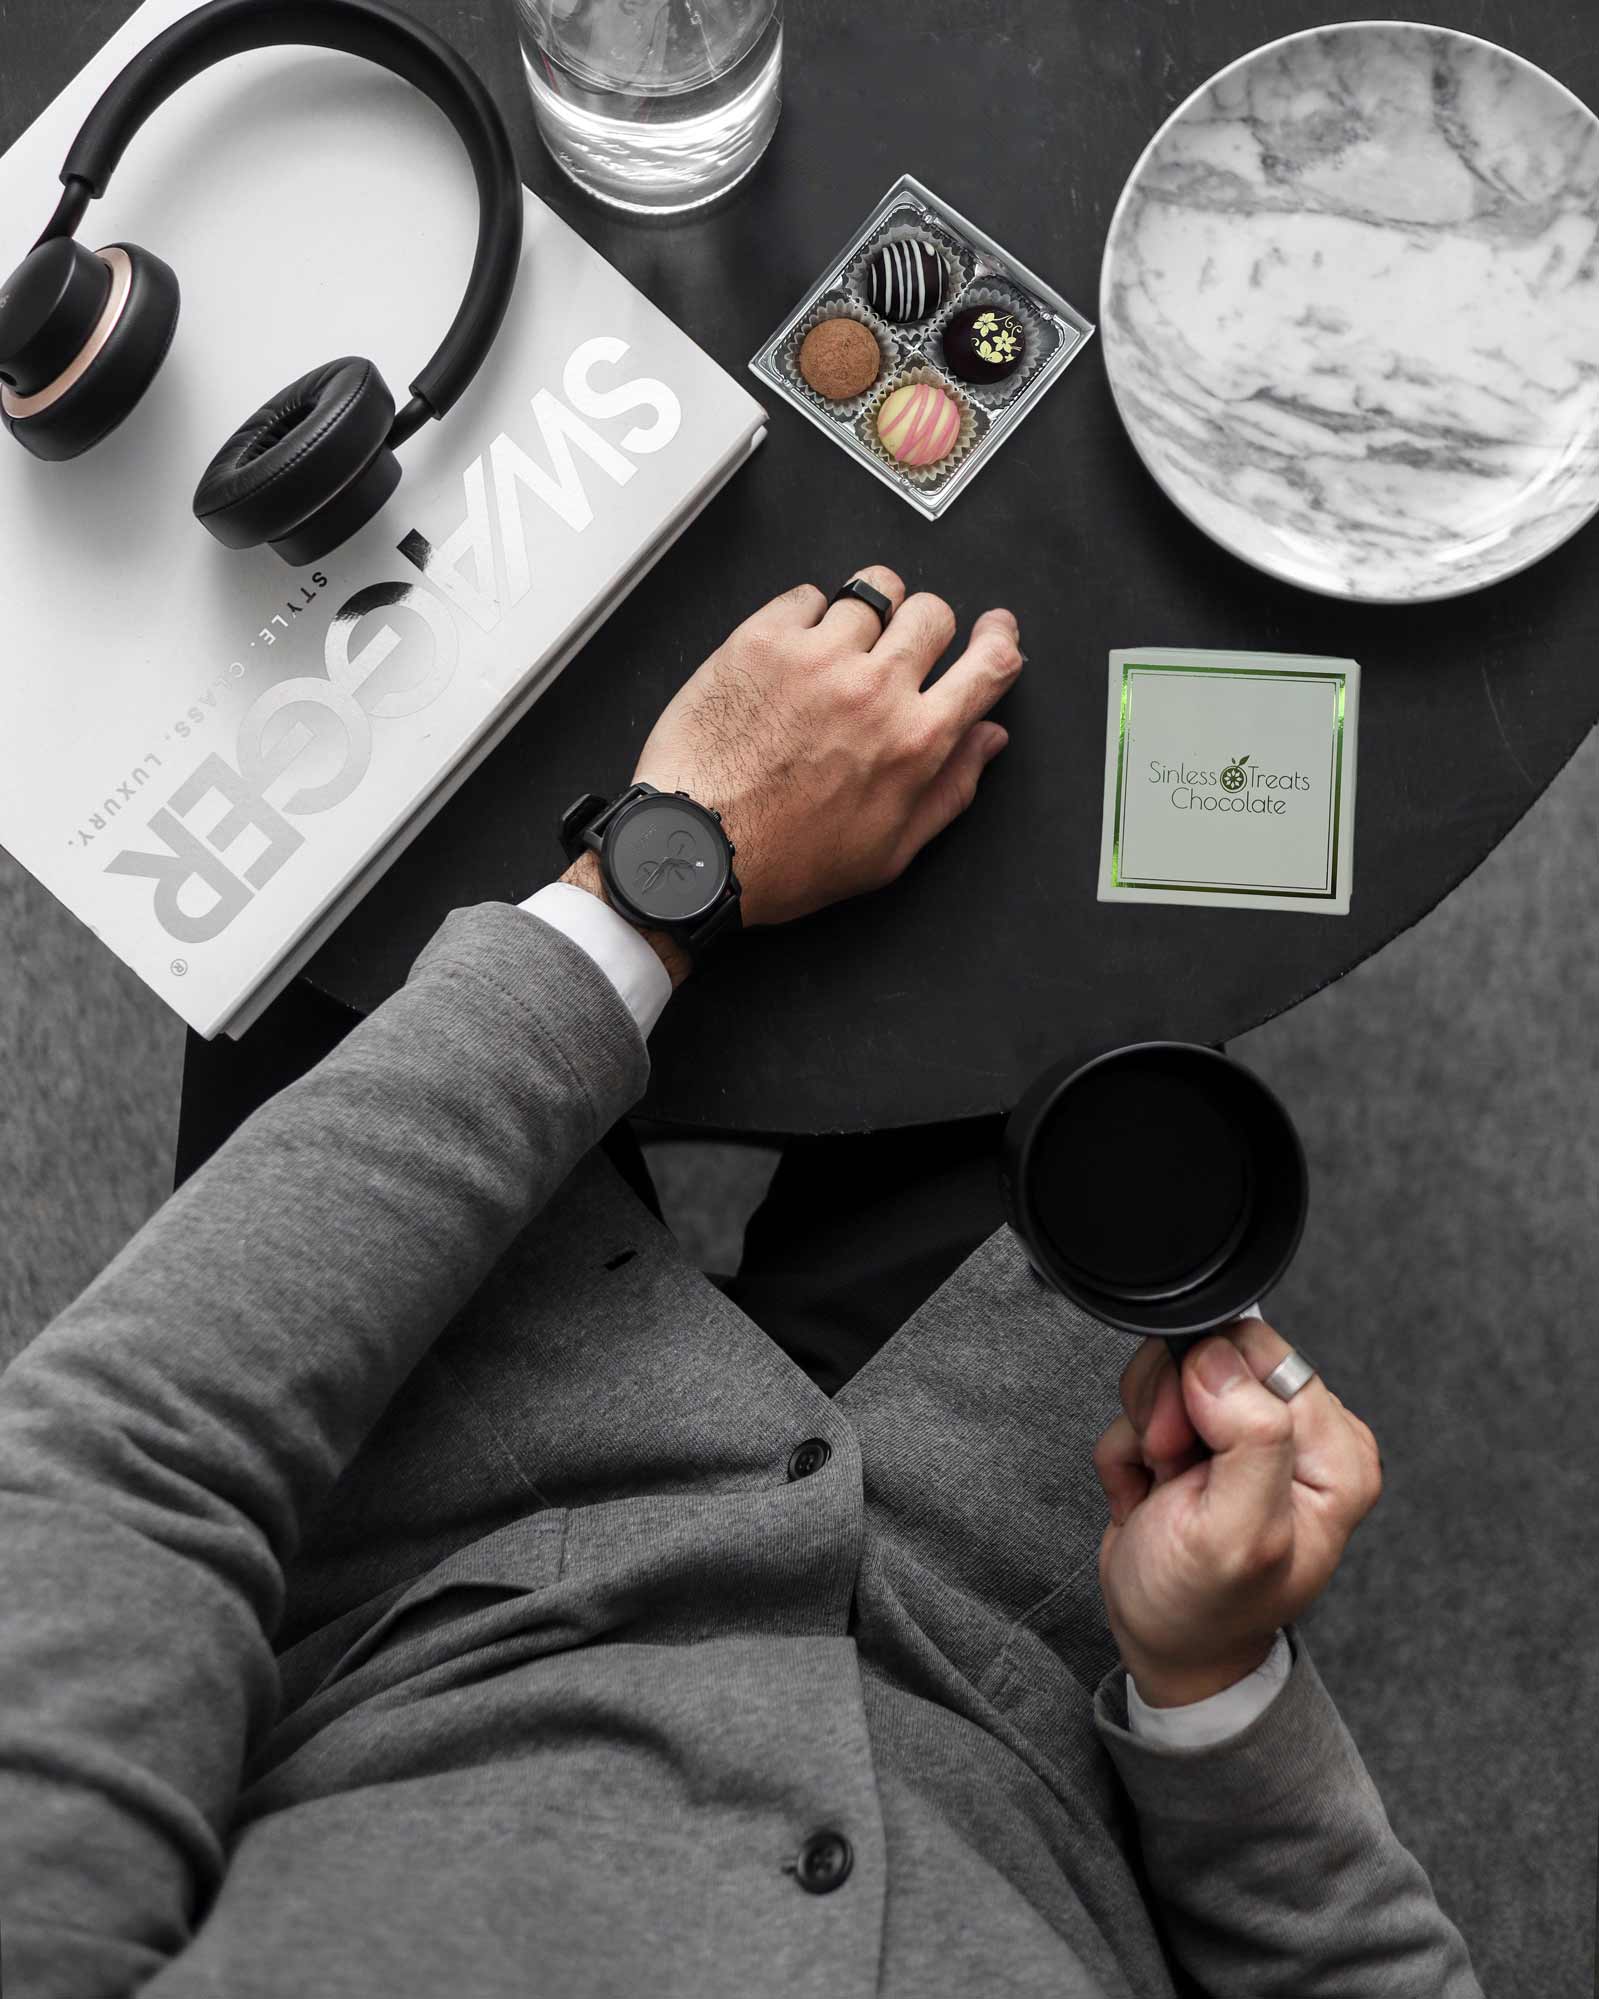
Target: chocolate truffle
[905, 281]
[840, 359]
[919, 424]
[984, 344]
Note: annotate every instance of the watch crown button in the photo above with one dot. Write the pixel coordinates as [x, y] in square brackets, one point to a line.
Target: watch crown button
[716, 815]
[731, 850]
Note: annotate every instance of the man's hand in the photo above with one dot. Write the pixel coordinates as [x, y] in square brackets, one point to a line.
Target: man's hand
[810, 732]
[1205, 1557]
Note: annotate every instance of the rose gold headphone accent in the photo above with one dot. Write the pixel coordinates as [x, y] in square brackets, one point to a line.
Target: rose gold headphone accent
[116, 259]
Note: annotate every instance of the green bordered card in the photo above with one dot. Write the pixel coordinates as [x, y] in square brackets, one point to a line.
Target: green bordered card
[1230, 780]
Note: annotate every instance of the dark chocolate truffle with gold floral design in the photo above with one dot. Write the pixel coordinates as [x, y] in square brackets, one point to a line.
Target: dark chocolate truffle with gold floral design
[983, 344]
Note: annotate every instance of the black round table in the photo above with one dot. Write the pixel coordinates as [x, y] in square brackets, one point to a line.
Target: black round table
[939, 998]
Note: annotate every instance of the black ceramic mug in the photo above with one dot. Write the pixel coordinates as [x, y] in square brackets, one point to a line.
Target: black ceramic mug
[1162, 1187]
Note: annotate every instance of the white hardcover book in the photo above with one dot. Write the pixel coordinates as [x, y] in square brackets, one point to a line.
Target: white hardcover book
[209, 755]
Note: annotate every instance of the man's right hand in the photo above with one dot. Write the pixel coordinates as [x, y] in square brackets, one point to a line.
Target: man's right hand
[1205, 1557]
[810, 732]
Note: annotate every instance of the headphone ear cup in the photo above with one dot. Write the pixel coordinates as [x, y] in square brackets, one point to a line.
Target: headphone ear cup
[308, 468]
[100, 384]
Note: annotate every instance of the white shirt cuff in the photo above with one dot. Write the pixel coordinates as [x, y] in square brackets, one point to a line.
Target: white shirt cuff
[1204, 1723]
[642, 982]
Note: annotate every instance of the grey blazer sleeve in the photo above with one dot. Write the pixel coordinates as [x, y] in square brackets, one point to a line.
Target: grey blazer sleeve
[162, 1441]
[1271, 1862]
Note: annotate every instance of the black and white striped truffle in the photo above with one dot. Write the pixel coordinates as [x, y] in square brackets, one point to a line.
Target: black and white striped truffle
[905, 281]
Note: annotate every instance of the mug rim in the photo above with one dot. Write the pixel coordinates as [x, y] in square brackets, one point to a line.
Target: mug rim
[1103, 1305]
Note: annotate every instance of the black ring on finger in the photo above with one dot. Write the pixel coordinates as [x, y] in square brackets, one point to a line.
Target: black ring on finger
[863, 593]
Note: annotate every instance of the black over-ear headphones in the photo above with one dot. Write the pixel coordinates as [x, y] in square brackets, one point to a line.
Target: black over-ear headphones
[83, 332]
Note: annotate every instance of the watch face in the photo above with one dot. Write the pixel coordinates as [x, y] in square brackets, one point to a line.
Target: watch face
[668, 859]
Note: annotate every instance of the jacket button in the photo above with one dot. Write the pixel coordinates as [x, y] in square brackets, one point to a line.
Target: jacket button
[808, 1457]
[824, 1863]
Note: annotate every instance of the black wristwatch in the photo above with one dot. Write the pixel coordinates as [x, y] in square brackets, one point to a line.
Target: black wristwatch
[665, 862]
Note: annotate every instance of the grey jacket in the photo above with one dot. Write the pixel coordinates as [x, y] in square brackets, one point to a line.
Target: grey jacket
[403, 1593]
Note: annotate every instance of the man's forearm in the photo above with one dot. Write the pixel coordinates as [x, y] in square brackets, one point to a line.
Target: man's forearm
[1271, 1862]
[161, 1443]
[283, 1294]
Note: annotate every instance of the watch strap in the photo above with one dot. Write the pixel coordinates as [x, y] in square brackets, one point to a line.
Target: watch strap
[724, 919]
[583, 823]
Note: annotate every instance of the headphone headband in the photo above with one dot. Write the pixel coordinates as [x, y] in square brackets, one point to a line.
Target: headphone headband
[366, 28]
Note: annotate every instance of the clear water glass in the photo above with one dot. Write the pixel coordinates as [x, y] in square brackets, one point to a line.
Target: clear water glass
[654, 105]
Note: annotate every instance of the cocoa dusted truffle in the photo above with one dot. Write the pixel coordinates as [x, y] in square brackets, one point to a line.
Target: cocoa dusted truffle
[984, 344]
[919, 424]
[905, 281]
[840, 358]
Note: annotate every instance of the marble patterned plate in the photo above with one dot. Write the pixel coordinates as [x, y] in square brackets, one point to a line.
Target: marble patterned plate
[1350, 305]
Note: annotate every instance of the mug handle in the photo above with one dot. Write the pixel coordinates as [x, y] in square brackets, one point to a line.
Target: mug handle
[1179, 1344]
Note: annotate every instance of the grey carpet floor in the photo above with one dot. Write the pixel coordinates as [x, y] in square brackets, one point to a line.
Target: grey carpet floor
[1449, 1095]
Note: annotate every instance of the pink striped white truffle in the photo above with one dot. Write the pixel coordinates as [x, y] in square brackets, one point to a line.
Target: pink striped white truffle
[919, 424]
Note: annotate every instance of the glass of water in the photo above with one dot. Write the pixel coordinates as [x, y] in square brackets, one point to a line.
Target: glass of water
[654, 105]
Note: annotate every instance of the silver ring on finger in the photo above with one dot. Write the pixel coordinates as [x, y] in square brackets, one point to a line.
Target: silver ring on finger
[1290, 1375]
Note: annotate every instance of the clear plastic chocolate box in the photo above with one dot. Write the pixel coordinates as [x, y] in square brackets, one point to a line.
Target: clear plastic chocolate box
[977, 274]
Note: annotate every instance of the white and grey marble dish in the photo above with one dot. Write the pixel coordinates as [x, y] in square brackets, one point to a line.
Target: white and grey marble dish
[1350, 304]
